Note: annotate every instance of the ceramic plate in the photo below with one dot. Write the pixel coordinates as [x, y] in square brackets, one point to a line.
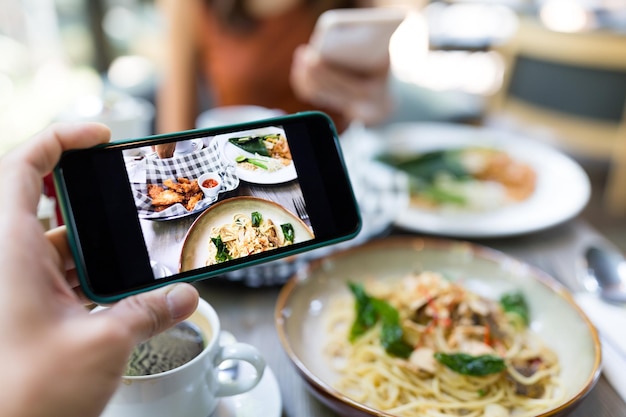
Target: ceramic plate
[194, 252]
[303, 304]
[562, 190]
[230, 152]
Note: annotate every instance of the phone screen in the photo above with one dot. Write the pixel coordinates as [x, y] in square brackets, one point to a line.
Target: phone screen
[272, 188]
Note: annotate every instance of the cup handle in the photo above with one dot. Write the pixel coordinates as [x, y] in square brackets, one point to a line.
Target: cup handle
[239, 352]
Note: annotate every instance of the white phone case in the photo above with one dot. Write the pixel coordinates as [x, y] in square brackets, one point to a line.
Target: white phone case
[357, 38]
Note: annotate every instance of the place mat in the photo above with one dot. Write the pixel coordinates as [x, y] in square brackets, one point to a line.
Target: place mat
[189, 166]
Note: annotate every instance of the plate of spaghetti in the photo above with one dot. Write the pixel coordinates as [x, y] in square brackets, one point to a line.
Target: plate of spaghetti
[409, 327]
[238, 227]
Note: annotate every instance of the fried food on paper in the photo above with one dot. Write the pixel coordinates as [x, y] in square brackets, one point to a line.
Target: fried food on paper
[167, 198]
[181, 190]
[154, 190]
[193, 200]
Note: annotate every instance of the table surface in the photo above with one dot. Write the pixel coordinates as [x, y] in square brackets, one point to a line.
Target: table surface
[249, 314]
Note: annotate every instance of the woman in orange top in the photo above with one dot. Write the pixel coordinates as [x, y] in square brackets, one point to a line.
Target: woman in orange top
[255, 52]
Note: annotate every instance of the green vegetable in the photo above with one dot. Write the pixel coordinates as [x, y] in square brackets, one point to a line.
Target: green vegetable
[428, 171]
[465, 364]
[288, 231]
[254, 161]
[222, 251]
[427, 166]
[366, 315]
[252, 144]
[515, 303]
[441, 195]
[256, 218]
[368, 311]
[391, 335]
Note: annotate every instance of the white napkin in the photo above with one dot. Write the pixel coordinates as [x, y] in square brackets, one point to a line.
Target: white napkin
[610, 320]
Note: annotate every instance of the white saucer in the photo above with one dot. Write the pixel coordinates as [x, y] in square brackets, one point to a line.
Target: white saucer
[263, 400]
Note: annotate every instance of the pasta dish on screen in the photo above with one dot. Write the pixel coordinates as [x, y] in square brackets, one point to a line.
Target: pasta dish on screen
[246, 235]
[425, 346]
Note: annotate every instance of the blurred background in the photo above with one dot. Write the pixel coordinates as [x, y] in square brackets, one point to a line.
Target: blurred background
[458, 61]
[57, 53]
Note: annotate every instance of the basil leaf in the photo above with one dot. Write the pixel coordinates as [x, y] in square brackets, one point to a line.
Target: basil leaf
[515, 303]
[366, 315]
[222, 251]
[256, 218]
[466, 364]
[290, 234]
[391, 333]
[368, 311]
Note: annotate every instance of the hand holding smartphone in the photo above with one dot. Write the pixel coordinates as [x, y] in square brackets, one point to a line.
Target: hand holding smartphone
[248, 193]
[357, 38]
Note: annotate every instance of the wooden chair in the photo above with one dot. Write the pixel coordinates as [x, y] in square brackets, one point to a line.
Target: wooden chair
[569, 89]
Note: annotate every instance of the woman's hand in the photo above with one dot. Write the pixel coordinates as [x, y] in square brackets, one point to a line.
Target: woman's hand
[60, 360]
[358, 95]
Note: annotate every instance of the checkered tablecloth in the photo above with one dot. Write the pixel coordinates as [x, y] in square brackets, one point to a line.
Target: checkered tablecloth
[189, 166]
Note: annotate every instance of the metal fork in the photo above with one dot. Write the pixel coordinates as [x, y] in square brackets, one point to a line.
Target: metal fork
[301, 208]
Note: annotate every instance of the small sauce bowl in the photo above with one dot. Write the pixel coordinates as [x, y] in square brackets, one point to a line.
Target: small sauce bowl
[210, 183]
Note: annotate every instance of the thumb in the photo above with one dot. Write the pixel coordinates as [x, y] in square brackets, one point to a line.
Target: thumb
[152, 312]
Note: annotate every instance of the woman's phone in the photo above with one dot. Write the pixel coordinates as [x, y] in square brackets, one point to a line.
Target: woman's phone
[230, 197]
[357, 38]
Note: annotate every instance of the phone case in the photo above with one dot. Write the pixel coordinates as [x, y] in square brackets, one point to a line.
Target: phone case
[357, 38]
[71, 227]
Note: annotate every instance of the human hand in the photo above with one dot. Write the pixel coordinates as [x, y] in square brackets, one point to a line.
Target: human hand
[165, 150]
[60, 360]
[362, 96]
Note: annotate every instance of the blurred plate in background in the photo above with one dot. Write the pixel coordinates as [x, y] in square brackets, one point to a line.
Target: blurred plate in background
[562, 188]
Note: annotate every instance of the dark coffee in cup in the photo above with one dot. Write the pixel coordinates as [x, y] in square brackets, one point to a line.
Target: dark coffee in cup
[166, 351]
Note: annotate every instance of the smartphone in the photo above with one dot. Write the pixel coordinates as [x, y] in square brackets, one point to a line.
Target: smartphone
[357, 38]
[229, 197]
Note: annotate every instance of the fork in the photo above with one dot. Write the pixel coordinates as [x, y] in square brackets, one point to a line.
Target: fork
[301, 208]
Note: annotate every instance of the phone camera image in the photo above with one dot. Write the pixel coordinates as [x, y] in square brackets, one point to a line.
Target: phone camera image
[245, 194]
[234, 198]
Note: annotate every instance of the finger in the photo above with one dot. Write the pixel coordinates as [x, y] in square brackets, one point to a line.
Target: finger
[58, 239]
[320, 83]
[25, 166]
[44, 150]
[72, 278]
[78, 291]
[152, 312]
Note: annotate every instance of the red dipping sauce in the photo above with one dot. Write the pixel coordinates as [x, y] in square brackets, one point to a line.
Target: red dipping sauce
[209, 183]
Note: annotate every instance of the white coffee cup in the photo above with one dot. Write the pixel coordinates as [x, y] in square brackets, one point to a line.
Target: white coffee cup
[193, 389]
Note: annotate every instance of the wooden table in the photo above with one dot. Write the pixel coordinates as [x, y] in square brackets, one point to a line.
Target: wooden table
[249, 314]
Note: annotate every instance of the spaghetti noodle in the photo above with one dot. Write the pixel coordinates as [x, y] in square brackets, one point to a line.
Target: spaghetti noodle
[246, 235]
[427, 347]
